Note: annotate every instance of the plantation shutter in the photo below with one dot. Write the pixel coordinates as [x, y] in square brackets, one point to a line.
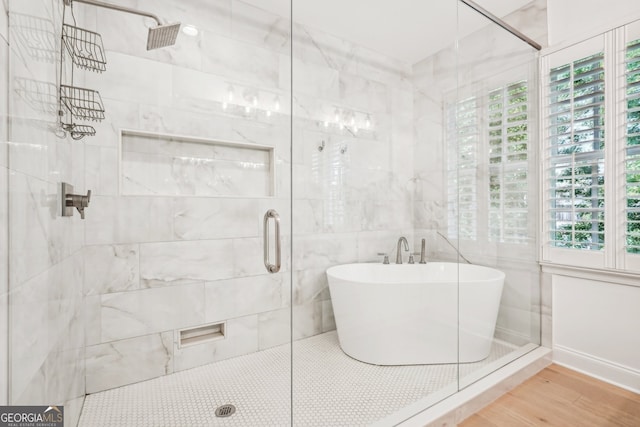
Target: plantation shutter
[463, 133]
[508, 163]
[576, 154]
[632, 149]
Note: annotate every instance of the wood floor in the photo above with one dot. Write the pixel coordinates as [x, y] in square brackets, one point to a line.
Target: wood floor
[558, 396]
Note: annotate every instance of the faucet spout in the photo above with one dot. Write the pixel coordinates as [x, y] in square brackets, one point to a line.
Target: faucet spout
[399, 251]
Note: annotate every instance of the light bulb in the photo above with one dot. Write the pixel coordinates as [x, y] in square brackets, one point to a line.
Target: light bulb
[255, 101]
[268, 113]
[277, 104]
[326, 124]
[353, 120]
[190, 30]
[367, 123]
[224, 105]
[230, 93]
[247, 109]
[336, 115]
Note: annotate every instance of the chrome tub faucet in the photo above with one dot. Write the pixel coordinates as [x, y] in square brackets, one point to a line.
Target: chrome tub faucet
[399, 252]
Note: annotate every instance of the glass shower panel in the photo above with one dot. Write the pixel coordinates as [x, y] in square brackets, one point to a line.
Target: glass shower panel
[493, 203]
[366, 120]
[4, 208]
[164, 280]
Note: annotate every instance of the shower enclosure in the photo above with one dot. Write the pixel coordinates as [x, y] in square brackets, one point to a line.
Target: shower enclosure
[273, 140]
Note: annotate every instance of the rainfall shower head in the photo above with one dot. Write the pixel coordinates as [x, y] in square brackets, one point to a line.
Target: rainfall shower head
[162, 36]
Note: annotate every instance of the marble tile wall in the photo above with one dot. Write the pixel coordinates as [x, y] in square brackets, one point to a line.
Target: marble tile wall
[153, 264]
[4, 195]
[436, 79]
[46, 341]
[167, 260]
[198, 260]
[352, 189]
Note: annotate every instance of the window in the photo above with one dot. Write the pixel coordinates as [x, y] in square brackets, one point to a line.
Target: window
[576, 158]
[632, 161]
[592, 152]
[508, 131]
[463, 132]
[488, 165]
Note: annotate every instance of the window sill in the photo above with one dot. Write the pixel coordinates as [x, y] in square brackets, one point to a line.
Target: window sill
[602, 275]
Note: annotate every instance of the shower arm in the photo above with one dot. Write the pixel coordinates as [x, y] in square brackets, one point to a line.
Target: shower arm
[115, 7]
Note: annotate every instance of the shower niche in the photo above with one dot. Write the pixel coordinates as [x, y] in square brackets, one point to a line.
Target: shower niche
[172, 165]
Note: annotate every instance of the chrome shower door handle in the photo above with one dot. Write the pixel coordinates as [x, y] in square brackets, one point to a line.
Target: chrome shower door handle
[272, 268]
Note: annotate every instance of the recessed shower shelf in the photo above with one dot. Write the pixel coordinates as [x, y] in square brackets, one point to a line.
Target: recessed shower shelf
[85, 104]
[85, 47]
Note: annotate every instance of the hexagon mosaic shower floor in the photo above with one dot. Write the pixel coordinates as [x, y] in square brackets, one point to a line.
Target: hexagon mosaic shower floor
[329, 389]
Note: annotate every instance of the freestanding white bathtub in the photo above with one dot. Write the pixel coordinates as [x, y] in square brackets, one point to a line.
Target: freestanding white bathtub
[413, 314]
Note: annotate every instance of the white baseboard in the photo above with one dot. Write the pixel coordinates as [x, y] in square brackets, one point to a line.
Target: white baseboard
[604, 370]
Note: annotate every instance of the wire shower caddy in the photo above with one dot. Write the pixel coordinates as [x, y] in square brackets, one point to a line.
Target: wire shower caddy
[86, 51]
[85, 48]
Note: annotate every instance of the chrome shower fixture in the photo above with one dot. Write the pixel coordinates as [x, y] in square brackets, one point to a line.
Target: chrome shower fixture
[162, 35]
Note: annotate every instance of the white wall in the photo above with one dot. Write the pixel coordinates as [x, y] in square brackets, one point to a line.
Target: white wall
[594, 318]
[572, 19]
[595, 328]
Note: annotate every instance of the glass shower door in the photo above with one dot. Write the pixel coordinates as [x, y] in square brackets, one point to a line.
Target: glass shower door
[161, 291]
[494, 189]
[365, 122]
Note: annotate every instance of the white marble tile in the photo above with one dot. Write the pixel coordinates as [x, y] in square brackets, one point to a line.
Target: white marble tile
[31, 149]
[93, 319]
[119, 115]
[274, 328]
[531, 19]
[134, 313]
[317, 81]
[259, 27]
[101, 170]
[134, 79]
[232, 59]
[4, 344]
[127, 361]
[42, 340]
[216, 218]
[363, 94]
[307, 320]
[128, 220]
[173, 166]
[323, 251]
[45, 236]
[328, 318]
[73, 409]
[228, 299]
[4, 22]
[309, 285]
[241, 337]
[111, 268]
[176, 262]
[320, 48]
[4, 104]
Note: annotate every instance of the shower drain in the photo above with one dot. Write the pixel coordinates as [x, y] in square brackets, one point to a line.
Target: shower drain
[225, 411]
